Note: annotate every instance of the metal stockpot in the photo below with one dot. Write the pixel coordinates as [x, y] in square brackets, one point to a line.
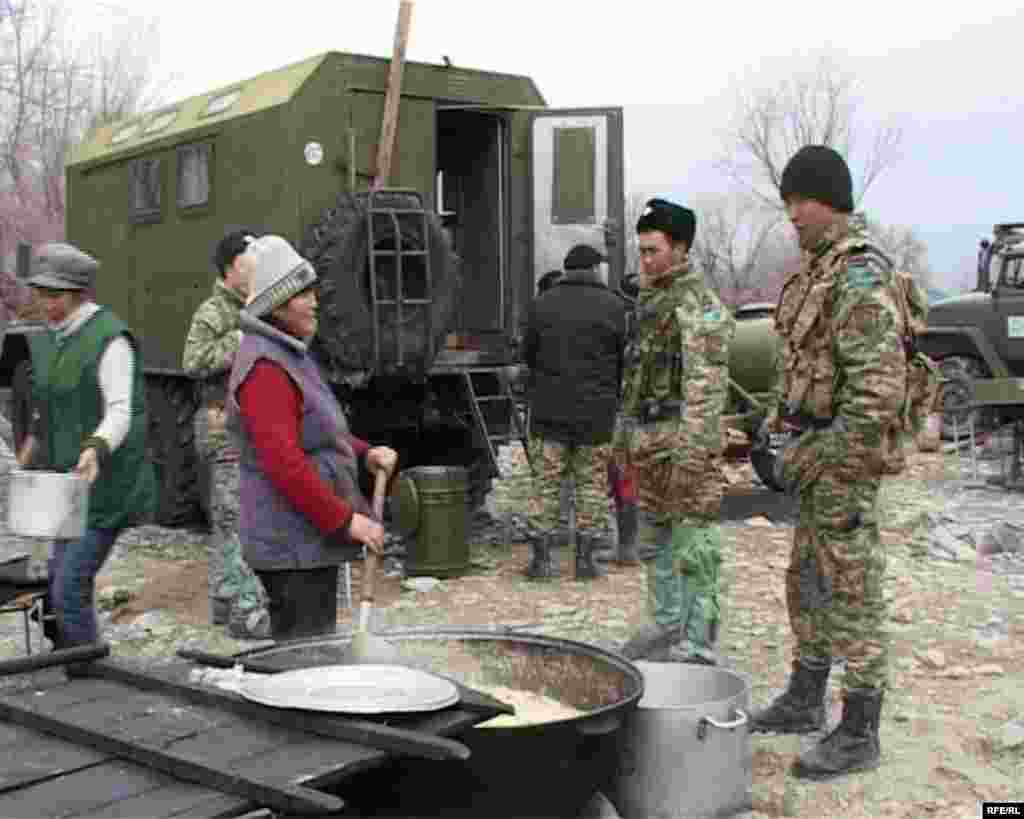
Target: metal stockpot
[685, 750]
[47, 504]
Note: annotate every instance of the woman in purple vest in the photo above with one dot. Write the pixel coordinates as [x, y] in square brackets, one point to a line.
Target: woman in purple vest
[301, 511]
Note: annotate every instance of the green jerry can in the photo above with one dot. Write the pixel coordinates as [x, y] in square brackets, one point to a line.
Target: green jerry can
[430, 505]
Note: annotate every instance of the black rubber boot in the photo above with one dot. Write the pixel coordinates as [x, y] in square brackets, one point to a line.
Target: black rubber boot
[652, 642]
[586, 565]
[853, 745]
[800, 709]
[628, 527]
[541, 567]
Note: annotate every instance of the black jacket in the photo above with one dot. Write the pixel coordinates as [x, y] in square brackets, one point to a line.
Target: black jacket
[574, 345]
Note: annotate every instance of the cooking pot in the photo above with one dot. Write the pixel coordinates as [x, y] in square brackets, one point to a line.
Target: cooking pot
[685, 750]
[47, 504]
[548, 769]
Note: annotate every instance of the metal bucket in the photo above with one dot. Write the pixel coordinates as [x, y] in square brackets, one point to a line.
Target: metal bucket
[433, 504]
[47, 504]
[685, 750]
[547, 769]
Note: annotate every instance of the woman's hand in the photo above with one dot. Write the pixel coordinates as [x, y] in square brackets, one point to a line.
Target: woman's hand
[27, 451]
[88, 465]
[368, 532]
[381, 458]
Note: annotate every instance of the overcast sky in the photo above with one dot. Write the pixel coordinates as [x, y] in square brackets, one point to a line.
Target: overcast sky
[950, 72]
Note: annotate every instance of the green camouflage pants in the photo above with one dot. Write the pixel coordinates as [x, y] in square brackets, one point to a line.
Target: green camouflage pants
[683, 577]
[229, 576]
[835, 576]
[586, 465]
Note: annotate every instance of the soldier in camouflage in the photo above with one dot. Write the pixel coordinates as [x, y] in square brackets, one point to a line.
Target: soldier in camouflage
[843, 381]
[237, 598]
[670, 439]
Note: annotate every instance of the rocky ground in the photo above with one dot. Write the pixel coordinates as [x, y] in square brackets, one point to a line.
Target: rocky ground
[953, 726]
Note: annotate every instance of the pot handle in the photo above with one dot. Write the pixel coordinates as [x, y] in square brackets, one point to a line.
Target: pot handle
[599, 726]
[739, 722]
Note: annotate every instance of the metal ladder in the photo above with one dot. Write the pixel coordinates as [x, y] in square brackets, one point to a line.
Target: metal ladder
[504, 394]
[417, 216]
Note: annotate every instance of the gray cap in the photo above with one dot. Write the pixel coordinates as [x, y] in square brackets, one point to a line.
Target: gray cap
[60, 266]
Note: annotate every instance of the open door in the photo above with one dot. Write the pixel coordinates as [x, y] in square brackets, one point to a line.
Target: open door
[577, 186]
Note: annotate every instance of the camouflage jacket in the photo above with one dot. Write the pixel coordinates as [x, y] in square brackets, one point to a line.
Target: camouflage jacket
[213, 340]
[679, 351]
[842, 358]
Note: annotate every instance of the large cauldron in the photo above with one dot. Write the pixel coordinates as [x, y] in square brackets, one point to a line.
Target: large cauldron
[549, 769]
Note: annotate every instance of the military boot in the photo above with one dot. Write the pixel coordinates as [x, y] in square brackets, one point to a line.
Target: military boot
[800, 709]
[652, 642]
[586, 565]
[853, 745]
[541, 567]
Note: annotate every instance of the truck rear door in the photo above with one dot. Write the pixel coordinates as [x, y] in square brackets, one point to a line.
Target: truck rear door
[577, 187]
[1008, 303]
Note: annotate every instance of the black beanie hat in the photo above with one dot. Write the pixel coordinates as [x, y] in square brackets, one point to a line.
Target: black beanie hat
[820, 173]
[673, 220]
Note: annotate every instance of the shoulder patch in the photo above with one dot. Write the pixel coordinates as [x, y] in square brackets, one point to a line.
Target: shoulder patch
[862, 273]
[712, 315]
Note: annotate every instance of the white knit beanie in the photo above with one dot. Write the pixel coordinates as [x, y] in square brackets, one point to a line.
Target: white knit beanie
[277, 274]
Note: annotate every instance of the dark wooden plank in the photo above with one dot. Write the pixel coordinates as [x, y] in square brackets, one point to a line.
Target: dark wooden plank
[35, 662]
[358, 731]
[172, 800]
[39, 757]
[80, 791]
[288, 798]
[222, 808]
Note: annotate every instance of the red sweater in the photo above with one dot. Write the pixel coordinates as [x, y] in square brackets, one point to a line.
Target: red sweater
[271, 405]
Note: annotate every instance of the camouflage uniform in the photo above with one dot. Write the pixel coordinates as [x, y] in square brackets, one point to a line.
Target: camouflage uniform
[843, 381]
[555, 462]
[671, 439]
[213, 338]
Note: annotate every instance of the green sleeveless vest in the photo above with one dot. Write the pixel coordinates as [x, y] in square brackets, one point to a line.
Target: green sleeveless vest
[66, 384]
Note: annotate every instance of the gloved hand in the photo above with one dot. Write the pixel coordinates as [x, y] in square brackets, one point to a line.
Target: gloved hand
[803, 458]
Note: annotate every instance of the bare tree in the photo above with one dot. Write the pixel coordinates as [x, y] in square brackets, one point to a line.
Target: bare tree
[52, 90]
[905, 249]
[819, 105]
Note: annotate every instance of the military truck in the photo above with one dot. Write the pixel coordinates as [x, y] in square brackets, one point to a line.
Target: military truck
[978, 338]
[425, 285]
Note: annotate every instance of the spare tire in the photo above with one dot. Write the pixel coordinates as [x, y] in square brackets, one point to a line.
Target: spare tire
[338, 247]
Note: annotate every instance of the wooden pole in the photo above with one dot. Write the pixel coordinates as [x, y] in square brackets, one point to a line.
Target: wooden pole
[394, 92]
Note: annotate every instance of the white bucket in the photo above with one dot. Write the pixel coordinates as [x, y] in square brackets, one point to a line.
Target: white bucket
[47, 504]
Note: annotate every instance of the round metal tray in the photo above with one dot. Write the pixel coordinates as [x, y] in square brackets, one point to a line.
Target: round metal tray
[353, 689]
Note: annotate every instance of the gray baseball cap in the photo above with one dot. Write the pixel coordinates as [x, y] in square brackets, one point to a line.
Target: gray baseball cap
[60, 266]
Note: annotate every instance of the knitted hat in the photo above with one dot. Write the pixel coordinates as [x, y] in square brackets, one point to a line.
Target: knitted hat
[278, 273]
[818, 172]
[59, 266]
[673, 220]
[582, 257]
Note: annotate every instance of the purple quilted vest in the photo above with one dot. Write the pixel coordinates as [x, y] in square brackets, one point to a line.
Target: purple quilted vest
[274, 534]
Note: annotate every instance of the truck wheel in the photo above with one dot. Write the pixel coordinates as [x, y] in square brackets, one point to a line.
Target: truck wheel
[171, 403]
[955, 395]
[338, 247]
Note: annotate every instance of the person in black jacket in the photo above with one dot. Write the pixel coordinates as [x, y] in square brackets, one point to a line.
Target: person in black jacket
[574, 346]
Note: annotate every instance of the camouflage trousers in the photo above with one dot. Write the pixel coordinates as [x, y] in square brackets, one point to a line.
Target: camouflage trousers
[835, 577]
[229, 577]
[554, 463]
[669, 492]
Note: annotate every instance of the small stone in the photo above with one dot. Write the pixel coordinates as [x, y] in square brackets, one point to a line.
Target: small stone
[1012, 735]
[760, 521]
[957, 672]
[932, 657]
[990, 670]
[421, 584]
[901, 717]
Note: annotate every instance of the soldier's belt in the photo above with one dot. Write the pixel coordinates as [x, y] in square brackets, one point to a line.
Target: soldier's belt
[656, 411]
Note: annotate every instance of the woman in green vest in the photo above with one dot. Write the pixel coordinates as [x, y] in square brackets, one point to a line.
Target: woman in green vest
[88, 383]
